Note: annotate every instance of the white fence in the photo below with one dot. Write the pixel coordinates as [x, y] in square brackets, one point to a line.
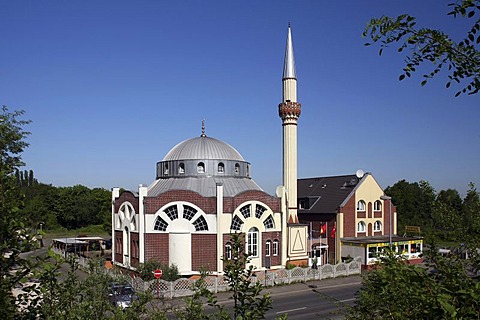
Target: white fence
[184, 287]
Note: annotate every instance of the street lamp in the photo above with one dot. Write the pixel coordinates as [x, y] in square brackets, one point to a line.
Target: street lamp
[390, 216]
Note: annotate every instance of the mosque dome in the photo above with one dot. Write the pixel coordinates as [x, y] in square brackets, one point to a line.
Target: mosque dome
[203, 148]
[201, 164]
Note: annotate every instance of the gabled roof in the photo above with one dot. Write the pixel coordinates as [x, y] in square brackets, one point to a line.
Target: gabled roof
[325, 194]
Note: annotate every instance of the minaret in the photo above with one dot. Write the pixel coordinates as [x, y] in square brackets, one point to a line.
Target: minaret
[289, 110]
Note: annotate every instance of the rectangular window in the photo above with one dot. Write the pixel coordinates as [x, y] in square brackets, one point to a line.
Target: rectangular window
[267, 249]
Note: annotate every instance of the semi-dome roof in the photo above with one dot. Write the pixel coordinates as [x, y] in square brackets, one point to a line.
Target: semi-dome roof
[203, 148]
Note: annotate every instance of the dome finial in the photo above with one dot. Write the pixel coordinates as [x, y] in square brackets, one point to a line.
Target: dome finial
[203, 129]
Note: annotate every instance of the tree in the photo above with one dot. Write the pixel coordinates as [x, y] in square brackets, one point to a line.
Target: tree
[462, 59]
[146, 270]
[445, 288]
[248, 303]
[245, 292]
[414, 201]
[471, 212]
[15, 237]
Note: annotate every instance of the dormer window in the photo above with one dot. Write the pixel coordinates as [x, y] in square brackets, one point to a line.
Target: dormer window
[201, 167]
[303, 204]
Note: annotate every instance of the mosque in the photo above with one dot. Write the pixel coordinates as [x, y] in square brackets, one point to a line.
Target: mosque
[203, 193]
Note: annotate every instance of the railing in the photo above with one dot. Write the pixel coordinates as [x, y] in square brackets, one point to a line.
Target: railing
[185, 287]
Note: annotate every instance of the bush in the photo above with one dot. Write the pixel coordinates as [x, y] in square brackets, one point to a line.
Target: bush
[169, 273]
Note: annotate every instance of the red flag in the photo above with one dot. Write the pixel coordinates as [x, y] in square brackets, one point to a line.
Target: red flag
[323, 228]
[332, 234]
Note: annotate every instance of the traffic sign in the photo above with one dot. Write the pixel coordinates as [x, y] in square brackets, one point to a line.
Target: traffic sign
[157, 273]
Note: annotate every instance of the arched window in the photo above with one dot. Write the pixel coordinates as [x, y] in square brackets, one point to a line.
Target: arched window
[268, 223]
[275, 247]
[236, 224]
[237, 168]
[268, 248]
[181, 168]
[172, 212]
[377, 226]
[201, 167]
[228, 251]
[259, 210]
[252, 242]
[246, 211]
[165, 171]
[160, 225]
[361, 227]
[221, 167]
[188, 212]
[377, 205]
[361, 205]
[200, 224]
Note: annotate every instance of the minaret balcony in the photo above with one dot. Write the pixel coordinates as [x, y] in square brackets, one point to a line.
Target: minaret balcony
[289, 109]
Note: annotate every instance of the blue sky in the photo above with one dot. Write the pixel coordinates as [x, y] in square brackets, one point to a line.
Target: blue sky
[112, 86]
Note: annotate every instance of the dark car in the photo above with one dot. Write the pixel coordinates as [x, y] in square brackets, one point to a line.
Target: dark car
[108, 244]
[122, 295]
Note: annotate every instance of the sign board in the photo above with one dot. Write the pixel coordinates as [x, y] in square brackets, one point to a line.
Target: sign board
[157, 273]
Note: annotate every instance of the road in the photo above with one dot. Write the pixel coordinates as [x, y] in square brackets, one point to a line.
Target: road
[301, 301]
[323, 302]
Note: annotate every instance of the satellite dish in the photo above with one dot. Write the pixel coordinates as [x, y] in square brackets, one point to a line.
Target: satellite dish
[360, 173]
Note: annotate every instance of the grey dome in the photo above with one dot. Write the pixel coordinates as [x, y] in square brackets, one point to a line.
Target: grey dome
[203, 148]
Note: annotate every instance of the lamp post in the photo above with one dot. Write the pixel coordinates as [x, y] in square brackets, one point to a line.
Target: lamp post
[390, 216]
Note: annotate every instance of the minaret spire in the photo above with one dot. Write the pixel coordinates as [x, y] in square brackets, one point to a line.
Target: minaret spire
[289, 111]
[289, 63]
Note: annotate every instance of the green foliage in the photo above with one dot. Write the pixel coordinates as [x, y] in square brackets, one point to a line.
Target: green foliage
[442, 217]
[14, 233]
[194, 309]
[414, 203]
[248, 304]
[67, 207]
[443, 288]
[169, 273]
[461, 59]
[69, 297]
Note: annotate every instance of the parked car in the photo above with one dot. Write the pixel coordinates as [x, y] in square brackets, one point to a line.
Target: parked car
[108, 244]
[122, 295]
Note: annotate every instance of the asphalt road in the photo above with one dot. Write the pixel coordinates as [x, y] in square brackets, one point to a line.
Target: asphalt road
[301, 301]
[323, 302]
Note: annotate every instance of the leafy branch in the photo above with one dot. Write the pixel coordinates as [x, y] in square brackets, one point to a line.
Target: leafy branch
[462, 59]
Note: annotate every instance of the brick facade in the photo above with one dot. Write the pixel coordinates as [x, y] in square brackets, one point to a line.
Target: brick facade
[349, 226]
[134, 249]
[126, 196]
[156, 247]
[275, 260]
[230, 204]
[153, 204]
[204, 252]
[118, 236]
